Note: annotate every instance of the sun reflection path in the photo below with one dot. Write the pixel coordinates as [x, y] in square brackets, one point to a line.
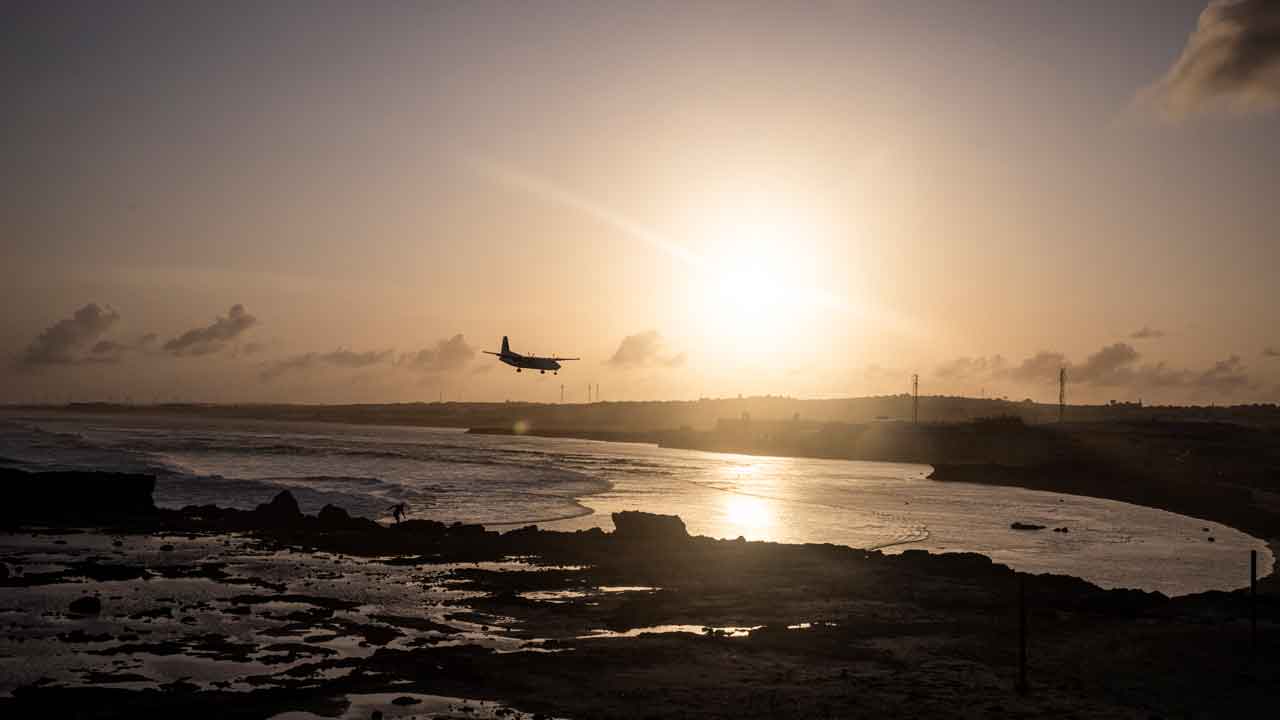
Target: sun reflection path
[747, 513]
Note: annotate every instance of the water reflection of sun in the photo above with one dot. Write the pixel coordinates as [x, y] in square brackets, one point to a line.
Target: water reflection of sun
[743, 513]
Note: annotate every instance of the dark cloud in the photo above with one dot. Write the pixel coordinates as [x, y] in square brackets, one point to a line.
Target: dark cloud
[1112, 365]
[1115, 365]
[967, 368]
[1232, 57]
[1042, 367]
[1146, 333]
[1225, 377]
[340, 358]
[110, 351]
[215, 337]
[62, 342]
[447, 356]
[645, 349]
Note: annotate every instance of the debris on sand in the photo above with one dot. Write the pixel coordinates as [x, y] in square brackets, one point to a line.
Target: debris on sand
[1025, 526]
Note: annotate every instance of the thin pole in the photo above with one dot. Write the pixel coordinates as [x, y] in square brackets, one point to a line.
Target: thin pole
[1253, 603]
[915, 399]
[1062, 394]
[1022, 633]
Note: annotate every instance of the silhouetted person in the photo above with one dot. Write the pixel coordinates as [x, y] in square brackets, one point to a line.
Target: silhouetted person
[399, 510]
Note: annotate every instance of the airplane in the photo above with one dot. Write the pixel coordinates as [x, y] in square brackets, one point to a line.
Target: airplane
[529, 362]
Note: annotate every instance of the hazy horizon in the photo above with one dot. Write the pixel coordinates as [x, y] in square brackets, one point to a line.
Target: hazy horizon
[315, 202]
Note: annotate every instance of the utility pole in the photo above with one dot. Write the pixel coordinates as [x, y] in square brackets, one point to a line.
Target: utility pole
[915, 399]
[1062, 393]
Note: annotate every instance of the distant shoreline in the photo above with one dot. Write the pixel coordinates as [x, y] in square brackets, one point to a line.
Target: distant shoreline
[1088, 476]
[1218, 472]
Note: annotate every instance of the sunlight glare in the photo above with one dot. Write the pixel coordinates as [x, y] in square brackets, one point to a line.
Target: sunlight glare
[762, 265]
[743, 512]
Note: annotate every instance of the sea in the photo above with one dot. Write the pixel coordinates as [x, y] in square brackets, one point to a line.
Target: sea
[507, 481]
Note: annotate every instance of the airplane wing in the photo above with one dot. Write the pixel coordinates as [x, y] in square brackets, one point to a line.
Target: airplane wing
[487, 352]
[560, 359]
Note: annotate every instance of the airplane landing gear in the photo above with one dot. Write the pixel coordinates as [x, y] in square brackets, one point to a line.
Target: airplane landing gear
[542, 372]
[517, 369]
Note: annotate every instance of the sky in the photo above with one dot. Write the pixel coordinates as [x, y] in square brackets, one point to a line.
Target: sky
[337, 202]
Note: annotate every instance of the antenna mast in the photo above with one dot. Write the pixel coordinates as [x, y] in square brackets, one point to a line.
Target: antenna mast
[1062, 393]
[915, 398]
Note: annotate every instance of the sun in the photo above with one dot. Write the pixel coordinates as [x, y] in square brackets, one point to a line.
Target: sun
[759, 274]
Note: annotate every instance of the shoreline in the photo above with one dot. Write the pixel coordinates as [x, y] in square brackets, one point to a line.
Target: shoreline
[1065, 467]
[640, 621]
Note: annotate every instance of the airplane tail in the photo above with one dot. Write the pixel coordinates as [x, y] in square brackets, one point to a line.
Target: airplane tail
[506, 349]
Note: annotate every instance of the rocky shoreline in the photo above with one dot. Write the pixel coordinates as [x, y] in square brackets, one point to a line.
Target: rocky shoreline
[310, 613]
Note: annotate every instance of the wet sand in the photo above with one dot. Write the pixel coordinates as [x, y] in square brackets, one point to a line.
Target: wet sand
[256, 614]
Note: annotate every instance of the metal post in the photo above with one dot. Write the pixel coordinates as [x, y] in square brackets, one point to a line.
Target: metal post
[915, 399]
[1022, 633]
[1253, 603]
[1062, 394]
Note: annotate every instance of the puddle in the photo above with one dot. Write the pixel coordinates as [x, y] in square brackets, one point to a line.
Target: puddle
[727, 631]
[401, 705]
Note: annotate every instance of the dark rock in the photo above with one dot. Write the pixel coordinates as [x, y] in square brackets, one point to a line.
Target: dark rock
[74, 496]
[166, 548]
[332, 516]
[405, 700]
[1062, 529]
[424, 528]
[87, 605]
[634, 526]
[282, 510]
[1025, 526]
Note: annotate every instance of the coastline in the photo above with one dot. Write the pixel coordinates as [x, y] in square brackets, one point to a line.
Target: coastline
[629, 623]
[1069, 461]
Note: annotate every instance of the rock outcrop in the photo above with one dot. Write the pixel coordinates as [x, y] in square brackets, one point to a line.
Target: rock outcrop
[632, 526]
[72, 496]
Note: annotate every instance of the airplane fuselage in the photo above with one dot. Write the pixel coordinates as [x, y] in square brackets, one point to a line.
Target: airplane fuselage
[529, 362]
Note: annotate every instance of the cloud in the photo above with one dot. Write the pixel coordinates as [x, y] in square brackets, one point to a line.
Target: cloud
[1115, 365]
[340, 358]
[1146, 333]
[447, 356]
[967, 368]
[61, 343]
[1109, 366]
[213, 338]
[110, 351]
[1225, 377]
[645, 349]
[1232, 57]
[1270, 352]
[1042, 367]
[250, 348]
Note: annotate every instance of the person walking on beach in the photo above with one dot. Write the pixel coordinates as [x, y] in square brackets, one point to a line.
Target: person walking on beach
[399, 510]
